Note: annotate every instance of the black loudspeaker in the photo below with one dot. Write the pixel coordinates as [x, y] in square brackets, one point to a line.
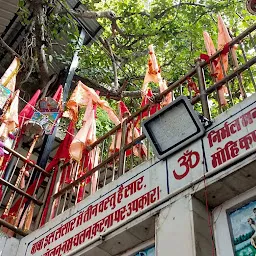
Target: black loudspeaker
[251, 6]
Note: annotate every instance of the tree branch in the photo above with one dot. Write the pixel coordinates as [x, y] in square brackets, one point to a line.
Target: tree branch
[116, 84]
[107, 92]
[94, 15]
[9, 49]
[161, 14]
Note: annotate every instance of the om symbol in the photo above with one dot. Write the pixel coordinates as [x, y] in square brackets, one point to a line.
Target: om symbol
[189, 160]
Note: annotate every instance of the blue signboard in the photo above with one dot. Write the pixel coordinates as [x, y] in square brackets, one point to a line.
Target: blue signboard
[147, 252]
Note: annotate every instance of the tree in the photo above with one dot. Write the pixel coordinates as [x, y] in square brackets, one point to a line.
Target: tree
[116, 63]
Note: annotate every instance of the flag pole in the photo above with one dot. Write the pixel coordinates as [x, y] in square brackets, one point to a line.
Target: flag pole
[20, 176]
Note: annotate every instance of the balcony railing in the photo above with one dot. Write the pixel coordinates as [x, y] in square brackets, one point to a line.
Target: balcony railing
[117, 154]
[239, 81]
[16, 201]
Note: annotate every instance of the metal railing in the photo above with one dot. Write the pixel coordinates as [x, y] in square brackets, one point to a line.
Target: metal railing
[21, 206]
[119, 154]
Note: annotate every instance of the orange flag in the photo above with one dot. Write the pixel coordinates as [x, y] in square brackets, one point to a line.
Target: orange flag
[11, 117]
[217, 71]
[209, 45]
[223, 39]
[153, 71]
[9, 77]
[153, 74]
[81, 139]
[80, 97]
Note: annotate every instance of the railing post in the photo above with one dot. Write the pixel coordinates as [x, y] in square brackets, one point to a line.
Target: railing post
[202, 88]
[55, 190]
[39, 216]
[122, 151]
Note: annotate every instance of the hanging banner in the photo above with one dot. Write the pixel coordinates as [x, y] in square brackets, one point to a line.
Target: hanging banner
[46, 119]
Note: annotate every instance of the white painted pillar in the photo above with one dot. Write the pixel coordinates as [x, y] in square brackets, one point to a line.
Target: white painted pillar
[174, 229]
[8, 246]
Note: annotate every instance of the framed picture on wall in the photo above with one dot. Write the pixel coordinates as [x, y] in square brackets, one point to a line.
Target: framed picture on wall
[242, 225]
[147, 252]
[46, 119]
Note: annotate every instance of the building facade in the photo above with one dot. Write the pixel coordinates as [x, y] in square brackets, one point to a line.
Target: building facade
[199, 201]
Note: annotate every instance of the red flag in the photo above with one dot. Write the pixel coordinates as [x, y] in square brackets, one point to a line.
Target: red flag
[28, 111]
[139, 149]
[123, 110]
[58, 96]
[62, 153]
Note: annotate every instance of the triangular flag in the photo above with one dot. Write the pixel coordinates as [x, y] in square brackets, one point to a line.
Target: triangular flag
[209, 45]
[123, 110]
[58, 96]
[28, 111]
[223, 40]
[223, 35]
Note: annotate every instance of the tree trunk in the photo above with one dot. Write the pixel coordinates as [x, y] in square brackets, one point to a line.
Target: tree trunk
[40, 21]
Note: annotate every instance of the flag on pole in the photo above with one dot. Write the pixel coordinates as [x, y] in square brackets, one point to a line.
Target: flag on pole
[223, 41]
[89, 161]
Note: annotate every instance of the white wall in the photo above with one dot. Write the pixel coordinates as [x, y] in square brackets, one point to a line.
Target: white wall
[203, 243]
[8, 246]
[174, 229]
